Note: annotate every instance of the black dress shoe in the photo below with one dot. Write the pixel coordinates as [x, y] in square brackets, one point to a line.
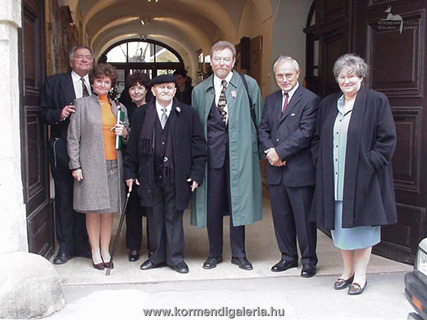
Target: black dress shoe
[133, 255]
[147, 265]
[211, 262]
[341, 283]
[283, 265]
[61, 258]
[243, 263]
[181, 267]
[356, 289]
[308, 270]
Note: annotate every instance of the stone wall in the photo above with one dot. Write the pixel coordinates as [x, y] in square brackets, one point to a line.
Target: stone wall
[13, 234]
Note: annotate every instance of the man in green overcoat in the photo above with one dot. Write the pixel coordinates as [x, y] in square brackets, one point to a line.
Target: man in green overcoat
[233, 178]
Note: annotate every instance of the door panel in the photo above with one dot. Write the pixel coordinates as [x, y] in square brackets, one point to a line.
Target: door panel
[33, 133]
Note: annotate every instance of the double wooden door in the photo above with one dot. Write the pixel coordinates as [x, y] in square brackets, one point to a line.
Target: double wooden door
[391, 36]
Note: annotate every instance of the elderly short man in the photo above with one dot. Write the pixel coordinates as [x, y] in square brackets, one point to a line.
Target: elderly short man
[166, 155]
[233, 177]
[57, 103]
[286, 131]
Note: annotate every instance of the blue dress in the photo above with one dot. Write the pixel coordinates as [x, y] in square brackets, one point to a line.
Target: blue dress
[346, 238]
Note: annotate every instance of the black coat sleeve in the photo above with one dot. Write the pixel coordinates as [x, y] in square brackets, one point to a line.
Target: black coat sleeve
[198, 149]
[131, 160]
[265, 129]
[51, 112]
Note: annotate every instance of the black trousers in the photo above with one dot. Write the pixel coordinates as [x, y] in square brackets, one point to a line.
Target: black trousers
[291, 218]
[71, 232]
[134, 215]
[165, 228]
[219, 202]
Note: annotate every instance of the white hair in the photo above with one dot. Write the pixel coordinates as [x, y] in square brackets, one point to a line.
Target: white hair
[283, 59]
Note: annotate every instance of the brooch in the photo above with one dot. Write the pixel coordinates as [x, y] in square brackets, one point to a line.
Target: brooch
[234, 93]
[178, 109]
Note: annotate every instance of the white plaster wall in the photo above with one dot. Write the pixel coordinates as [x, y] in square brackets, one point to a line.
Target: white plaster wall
[290, 19]
[13, 235]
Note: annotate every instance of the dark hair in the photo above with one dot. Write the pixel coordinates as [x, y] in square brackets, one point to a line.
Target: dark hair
[180, 72]
[105, 70]
[138, 77]
[75, 48]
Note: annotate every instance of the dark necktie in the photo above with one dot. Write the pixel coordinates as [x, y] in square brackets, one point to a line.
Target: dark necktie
[84, 88]
[163, 118]
[222, 102]
[285, 103]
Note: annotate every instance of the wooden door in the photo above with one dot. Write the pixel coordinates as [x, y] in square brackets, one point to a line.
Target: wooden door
[394, 46]
[396, 52]
[34, 163]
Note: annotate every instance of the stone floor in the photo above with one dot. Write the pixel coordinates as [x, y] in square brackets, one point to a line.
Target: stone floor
[128, 292]
[261, 248]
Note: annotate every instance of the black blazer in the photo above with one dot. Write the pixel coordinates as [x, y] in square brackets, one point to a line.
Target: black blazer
[290, 134]
[189, 149]
[368, 197]
[58, 91]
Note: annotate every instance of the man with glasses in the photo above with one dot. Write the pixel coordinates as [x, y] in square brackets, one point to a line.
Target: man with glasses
[233, 184]
[286, 131]
[165, 156]
[57, 103]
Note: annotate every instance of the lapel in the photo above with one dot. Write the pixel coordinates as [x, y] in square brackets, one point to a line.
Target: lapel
[173, 118]
[210, 97]
[68, 88]
[276, 111]
[296, 98]
[114, 108]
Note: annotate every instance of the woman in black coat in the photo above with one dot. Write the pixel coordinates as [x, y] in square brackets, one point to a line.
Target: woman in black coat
[353, 146]
[138, 87]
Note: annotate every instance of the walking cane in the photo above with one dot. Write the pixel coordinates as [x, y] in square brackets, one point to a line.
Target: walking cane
[116, 239]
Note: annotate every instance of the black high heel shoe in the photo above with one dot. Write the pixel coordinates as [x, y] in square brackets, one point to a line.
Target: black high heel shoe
[98, 266]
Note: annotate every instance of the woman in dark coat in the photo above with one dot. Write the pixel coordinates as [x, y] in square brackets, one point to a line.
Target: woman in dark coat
[353, 146]
[138, 84]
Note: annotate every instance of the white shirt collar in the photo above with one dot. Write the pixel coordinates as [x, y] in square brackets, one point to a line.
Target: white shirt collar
[160, 107]
[217, 81]
[291, 93]
[76, 77]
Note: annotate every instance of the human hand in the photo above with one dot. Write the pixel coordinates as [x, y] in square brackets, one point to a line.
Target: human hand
[129, 183]
[120, 130]
[67, 111]
[193, 184]
[272, 156]
[77, 174]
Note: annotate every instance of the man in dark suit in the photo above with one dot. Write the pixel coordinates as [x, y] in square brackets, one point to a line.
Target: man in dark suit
[286, 130]
[166, 157]
[57, 100]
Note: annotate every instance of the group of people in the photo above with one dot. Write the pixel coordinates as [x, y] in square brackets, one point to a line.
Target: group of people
[328, 162]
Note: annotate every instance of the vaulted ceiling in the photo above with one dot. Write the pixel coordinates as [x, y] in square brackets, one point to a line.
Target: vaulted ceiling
[185, 25]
